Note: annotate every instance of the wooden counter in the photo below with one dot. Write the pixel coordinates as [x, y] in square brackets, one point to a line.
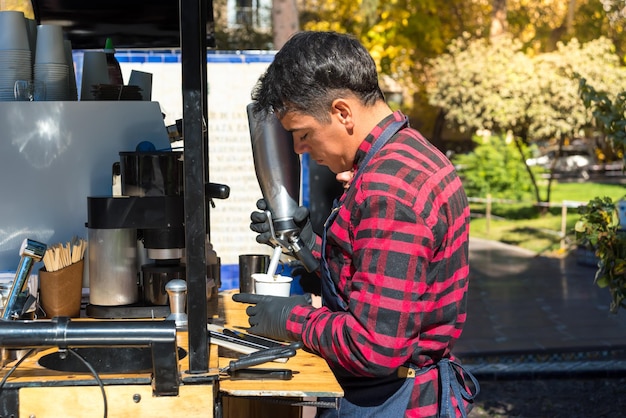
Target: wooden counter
[48, 393]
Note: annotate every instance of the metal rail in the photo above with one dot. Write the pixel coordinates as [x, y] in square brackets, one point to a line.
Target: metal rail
[160, 336]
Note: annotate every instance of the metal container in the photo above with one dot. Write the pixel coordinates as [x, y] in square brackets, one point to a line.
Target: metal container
[113, 278]
[248, 265]
[155, 173]
[155, 277]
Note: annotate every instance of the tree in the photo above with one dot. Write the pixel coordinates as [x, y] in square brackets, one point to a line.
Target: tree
[494, 168]
[599, 227]
[284, 21]
[494, 85]
[402, 35]
[615, 9]
[498, 19]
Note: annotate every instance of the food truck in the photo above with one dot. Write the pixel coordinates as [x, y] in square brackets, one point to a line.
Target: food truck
[169, 344]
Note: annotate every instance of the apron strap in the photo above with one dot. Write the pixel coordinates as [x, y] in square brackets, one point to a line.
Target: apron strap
[330, 296]
[448, 376]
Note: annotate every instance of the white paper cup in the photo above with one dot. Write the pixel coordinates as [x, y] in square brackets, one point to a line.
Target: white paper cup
[276, 285]
[13, 32]
[49, 45]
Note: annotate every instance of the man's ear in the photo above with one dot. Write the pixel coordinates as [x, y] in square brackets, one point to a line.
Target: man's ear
[342, 110]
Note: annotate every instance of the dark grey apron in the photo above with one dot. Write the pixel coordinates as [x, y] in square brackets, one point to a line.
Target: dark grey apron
[389, 396]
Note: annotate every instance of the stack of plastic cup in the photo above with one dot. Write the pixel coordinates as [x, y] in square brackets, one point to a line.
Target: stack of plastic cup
[31, 28]
[94, 72]
[69, 59]
[15, 54]
[51, 63]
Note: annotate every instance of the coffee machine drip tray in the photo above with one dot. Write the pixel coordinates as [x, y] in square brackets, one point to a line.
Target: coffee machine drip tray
[127, 311]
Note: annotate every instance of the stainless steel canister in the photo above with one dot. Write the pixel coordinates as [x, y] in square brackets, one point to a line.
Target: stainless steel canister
[249, 264]
[155, 279]
[113, 278]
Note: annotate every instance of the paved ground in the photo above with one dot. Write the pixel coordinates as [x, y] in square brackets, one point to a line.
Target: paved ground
[520, 302]
[540, 337]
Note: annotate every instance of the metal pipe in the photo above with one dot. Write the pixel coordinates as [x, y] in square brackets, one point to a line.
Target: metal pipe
[160, 336]
[62, 332]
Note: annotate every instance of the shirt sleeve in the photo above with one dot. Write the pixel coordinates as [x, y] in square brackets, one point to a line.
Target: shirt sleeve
[391, 250]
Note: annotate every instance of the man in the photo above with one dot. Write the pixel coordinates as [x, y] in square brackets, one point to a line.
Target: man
[394, 253]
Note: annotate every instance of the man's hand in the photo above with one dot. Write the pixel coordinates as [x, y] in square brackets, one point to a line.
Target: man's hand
[260, 223]
[268, 316]
[301, 217]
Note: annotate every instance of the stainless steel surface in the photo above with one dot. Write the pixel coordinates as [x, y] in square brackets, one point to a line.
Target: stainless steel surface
[249, 264]
[31, 252]
[177, 292]
[155, 279]
[113, 278]
[165, 253]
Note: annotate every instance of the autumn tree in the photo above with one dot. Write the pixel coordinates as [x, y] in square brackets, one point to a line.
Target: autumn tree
[402, 35]
[285, 21]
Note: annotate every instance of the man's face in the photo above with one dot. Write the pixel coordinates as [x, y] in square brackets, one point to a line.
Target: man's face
[326, 143]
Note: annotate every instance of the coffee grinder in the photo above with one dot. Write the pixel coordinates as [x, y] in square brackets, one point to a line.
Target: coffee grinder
[137, 240]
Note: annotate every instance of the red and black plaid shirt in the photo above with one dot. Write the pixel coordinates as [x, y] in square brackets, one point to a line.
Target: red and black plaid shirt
[398, 252]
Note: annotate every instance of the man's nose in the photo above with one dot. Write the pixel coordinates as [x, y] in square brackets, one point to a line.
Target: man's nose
[298, 147]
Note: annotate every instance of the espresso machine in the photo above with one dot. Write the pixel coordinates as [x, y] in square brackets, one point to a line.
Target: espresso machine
[277, 169]
[137, 240]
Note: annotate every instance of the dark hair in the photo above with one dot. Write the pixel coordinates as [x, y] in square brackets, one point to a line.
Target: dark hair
[314, 68]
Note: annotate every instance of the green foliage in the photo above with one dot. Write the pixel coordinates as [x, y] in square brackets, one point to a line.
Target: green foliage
[609, 114]
[482, 85]
[524, 225]
[494, 167]
[599, 229]
[494, 85]
[400, 34]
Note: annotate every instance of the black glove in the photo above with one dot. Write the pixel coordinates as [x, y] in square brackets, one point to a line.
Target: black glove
[268, 317]
[301, 218]
[260, 223]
